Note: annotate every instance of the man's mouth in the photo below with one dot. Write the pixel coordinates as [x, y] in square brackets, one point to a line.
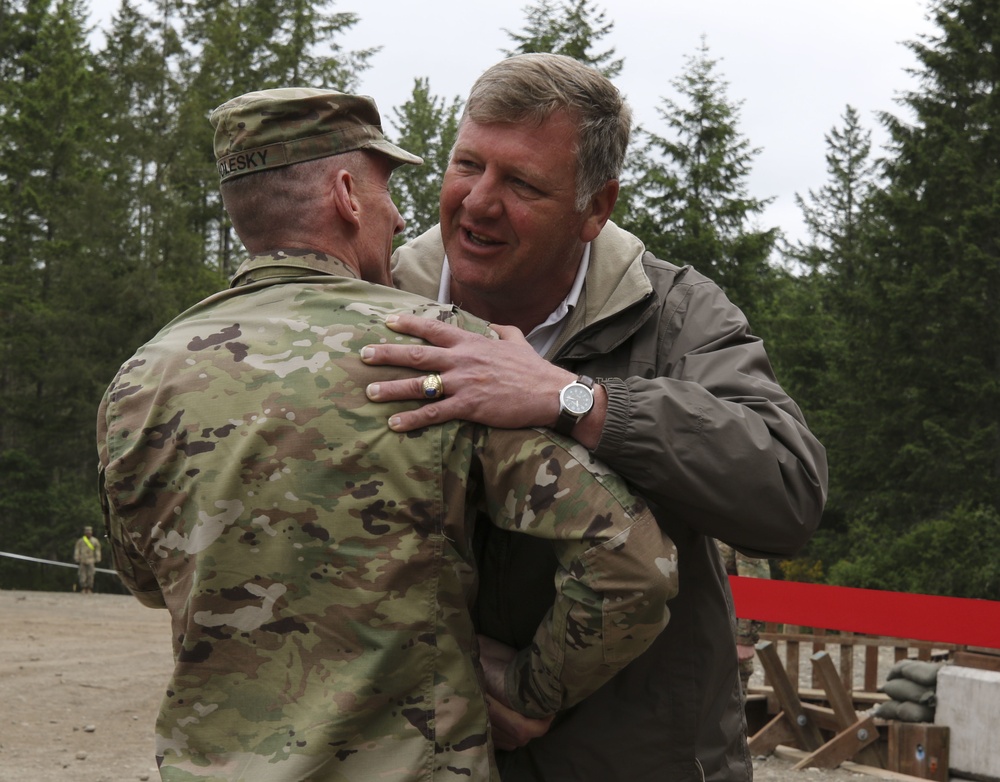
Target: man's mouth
[482, 241]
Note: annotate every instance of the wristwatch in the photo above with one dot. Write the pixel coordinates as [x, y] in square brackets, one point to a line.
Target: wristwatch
[575, 401]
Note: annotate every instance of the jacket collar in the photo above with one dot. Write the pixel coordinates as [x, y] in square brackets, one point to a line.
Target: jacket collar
[289, 263]
[615, 283]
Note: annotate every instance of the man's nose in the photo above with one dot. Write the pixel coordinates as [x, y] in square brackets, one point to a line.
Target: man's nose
[399, 224]
[483, 198]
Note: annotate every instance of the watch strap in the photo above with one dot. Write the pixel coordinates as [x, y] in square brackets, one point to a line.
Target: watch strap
[567, 418]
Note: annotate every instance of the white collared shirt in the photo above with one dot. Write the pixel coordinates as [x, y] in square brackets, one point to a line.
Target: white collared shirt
[545, 334]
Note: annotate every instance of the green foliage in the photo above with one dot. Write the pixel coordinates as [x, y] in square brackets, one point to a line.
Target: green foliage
[110, 221]
[803, 571]
[426, 126]
[881, 325]
[926, 437]
[571, 28]
[688, 196]
[41, 519]
[956, 555]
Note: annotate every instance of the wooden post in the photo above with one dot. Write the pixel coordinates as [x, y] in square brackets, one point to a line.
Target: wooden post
[792, 723]
[843, 708]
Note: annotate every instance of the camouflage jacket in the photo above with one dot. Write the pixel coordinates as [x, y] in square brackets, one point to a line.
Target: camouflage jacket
[318, 567]
[737, 563]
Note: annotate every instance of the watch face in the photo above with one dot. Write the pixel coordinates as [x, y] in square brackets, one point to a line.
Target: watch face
[578, 399]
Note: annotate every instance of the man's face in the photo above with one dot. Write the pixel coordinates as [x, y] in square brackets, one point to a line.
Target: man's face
[508, 218]
[380, 221]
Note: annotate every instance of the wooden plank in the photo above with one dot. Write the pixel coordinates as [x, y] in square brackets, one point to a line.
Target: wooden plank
[775, 733]
[843, 705]
[792, 754]
[871, 668]
[819, 645]
[823, 716]
[984, 662]
[803, 728]
[792, 662]
[810, 694]
[847, 663]
[919, 749]
[867, 640]
[844, 746]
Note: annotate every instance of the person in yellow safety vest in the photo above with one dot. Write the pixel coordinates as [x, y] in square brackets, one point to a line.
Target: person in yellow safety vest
[87, 554]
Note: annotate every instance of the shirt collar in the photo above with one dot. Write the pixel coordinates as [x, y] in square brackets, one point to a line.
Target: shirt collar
[544, 335]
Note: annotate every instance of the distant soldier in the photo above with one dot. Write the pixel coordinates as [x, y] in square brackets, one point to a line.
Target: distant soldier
[87, 554]
[747, 630]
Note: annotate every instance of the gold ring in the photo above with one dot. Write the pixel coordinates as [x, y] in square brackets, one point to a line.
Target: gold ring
[433, 386]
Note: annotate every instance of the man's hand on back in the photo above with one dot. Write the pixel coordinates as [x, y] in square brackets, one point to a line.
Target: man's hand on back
[510, 728]
[501, 383]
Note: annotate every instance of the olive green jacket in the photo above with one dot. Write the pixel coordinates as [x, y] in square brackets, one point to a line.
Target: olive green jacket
[699, 426]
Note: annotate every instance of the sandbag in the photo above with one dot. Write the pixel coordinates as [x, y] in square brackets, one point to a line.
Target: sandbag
[887, 710]
[919, 671]
[914, 712]
[905, 690]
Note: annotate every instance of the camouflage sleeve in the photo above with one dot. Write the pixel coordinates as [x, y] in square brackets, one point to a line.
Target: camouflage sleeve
[617, 569]
[133, 570]
[739, 564]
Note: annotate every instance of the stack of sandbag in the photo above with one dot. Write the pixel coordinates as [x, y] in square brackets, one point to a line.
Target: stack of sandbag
[912, 687]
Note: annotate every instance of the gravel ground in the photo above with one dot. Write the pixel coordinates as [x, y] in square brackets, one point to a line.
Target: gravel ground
[81, 677]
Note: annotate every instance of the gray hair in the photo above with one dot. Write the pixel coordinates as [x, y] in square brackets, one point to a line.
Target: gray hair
[530, 87]
[277, 199]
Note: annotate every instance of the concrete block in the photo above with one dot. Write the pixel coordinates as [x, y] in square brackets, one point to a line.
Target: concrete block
[968, 702]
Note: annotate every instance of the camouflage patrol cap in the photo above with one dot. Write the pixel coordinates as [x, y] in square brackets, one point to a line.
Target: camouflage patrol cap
[88, 529]
[273, 128]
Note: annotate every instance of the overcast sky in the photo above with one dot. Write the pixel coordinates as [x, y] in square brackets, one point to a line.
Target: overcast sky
[794, 65]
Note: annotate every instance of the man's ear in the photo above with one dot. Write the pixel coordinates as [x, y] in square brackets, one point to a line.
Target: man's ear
[598, 211]
[344, 196]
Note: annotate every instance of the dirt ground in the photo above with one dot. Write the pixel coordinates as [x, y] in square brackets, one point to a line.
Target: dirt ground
[81, 678]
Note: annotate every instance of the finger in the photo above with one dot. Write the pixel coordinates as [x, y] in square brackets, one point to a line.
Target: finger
[424, 357]
[434, 331]
[395, 390]
[508, 332]
[425, 415]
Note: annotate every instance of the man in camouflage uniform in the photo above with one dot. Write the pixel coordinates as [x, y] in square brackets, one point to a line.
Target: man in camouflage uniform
[87, 553]
[317, 566]
[747, 631]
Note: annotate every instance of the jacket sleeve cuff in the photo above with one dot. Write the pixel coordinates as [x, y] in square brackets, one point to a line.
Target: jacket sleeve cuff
[616, 420]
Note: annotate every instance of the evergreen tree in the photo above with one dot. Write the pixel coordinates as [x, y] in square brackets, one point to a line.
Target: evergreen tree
[835, 215]
[427, 126]
[926, 437]
[49, 292]
[808, 344]
[159, 254]
[232, 49]
[571, 28]
[689, 199]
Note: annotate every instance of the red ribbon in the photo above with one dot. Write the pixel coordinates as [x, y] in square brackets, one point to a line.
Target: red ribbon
[950, 620]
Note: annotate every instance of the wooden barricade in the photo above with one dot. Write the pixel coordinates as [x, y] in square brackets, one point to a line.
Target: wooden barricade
[792, 639]
[799, 724]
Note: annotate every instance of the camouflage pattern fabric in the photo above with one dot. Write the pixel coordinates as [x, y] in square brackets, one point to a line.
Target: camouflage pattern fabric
[747, 630]
[272, 128]
[318, 566]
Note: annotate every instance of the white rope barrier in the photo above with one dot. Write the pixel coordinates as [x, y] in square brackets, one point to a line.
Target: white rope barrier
[53, 562]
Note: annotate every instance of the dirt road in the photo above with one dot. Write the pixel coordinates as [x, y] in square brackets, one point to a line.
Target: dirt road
[81, 678]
